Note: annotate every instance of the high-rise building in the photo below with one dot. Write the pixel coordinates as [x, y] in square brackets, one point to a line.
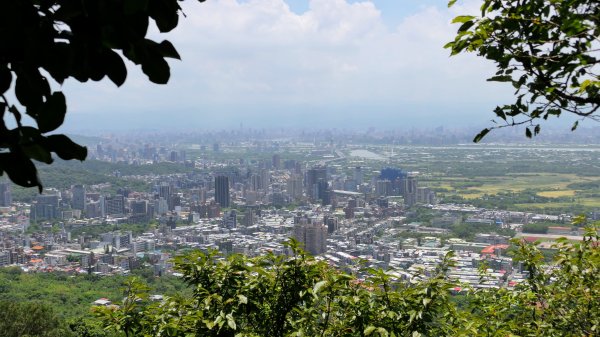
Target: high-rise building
[358, 175]
[230, 219]
[78, 198]
[408, 189]
[46, 206]
[331, 222]
[294, 186]
[5, 194]
[425, 195]
[161, 206]
[265, 179]
[164, 191]
[313, 176]
[112, 205]
[276, 161]
[222, 190]
[254, 183]
[139, 207]
[173, 156]
[383, 188]
[312, 234]
[323, 192]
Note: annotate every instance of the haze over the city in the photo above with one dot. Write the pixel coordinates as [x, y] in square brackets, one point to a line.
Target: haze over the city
[304, 63]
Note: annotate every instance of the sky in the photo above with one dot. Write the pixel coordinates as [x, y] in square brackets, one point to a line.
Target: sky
[302, 63]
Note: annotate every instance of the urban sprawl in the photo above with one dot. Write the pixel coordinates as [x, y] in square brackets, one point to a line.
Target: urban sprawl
[350, 207]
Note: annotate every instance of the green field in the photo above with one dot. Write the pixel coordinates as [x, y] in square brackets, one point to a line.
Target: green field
[548, 185]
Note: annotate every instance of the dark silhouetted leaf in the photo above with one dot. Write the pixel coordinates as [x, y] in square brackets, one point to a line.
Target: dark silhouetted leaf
[133, 6]
[115, 68]
[500, 113]
[157, 69]
[5, 79]
[52, 113]
[165, 14]
[37, 152]
[167, 50]
[22, 90]
[500, 79]
[64, 147]
[480, 135]
[20, 170]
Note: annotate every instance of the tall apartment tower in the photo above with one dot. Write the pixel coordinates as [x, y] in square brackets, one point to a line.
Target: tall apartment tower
[222, 190]
[5, 194]
[276, 161]
[408, 189]
[313, 176]
[164, 191]
[312, 234]
[358, 175]
[294, 186]
[78, 199]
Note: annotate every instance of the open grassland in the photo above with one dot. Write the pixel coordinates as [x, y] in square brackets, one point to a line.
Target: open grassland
[549, 185]
[593, 202]
[542, 182]
[557, 193]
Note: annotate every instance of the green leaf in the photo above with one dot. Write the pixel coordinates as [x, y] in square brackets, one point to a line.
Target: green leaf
[52, 113]
[318, 286]
[480, 135]
[369, 330]
[451, 3]
[230, 321]
[465, 26]
[382, 332]
[243, 299]
[463, 18]
[64, 147]
[575, 125]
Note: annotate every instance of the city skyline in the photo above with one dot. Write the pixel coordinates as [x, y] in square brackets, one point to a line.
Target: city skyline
[336, 63]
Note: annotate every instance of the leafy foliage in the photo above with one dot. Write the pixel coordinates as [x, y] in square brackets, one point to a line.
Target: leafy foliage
[548, 51]
[297, 295]
[63, 39]
[30, 319]
[288, 296]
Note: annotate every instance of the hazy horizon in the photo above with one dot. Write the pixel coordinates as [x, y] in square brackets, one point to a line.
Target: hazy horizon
[302, 63]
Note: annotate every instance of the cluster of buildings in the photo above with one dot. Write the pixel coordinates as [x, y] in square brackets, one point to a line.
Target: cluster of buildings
[347, 216]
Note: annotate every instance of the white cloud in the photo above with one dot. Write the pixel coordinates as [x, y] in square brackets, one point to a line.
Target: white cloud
[335, 54]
